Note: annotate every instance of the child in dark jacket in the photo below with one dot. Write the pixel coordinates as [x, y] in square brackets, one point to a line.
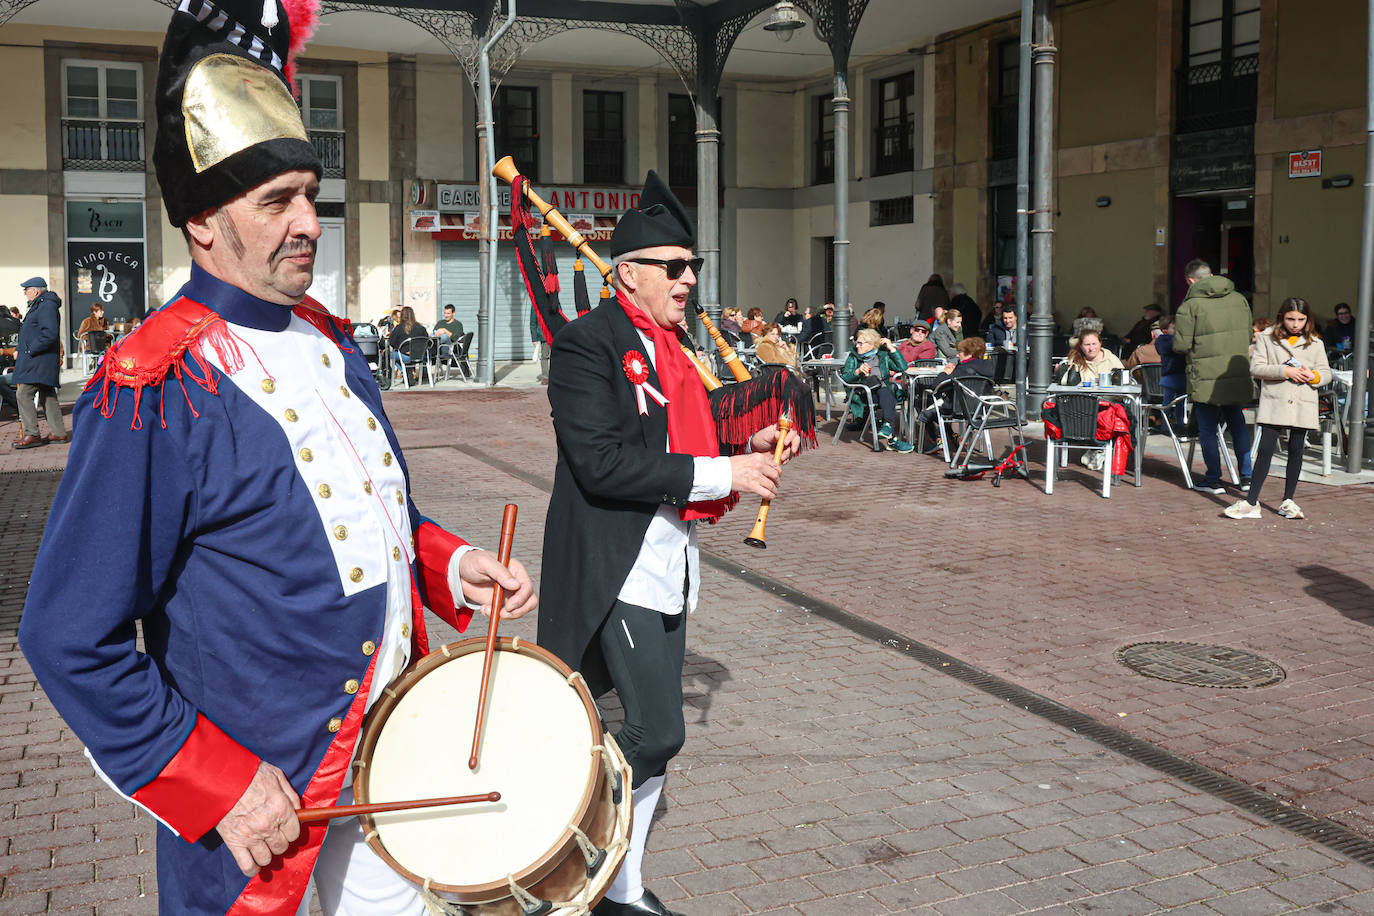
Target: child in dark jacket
[1171, 366]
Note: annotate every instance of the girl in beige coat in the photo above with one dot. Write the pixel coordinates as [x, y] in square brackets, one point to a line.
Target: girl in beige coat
[1290, 362]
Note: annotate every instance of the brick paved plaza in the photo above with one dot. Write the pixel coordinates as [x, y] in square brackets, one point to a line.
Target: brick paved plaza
[828, 770]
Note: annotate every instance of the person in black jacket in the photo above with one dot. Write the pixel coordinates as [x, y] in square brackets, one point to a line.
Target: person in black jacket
[37, 365]
[638, 464]
[972, 363]
[406, 329]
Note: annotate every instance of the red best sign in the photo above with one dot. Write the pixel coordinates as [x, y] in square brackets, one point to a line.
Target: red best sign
[1306, 164]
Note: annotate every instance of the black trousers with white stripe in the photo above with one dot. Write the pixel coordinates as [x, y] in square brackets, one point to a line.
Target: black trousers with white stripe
[644, 651]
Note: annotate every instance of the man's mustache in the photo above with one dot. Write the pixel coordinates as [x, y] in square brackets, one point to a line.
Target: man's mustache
[293, 247]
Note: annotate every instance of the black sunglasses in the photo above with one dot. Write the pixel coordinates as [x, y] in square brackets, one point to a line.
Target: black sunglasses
[675, 267]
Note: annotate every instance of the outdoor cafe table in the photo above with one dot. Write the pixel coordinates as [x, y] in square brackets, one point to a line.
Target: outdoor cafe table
[823, 368]
[1135, 403]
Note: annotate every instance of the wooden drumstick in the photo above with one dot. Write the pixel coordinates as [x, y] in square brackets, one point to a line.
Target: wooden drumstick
[316, 815]
[498, 598]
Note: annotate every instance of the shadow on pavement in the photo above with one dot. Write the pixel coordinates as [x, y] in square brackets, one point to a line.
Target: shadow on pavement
[1350, 596]
[702, 676]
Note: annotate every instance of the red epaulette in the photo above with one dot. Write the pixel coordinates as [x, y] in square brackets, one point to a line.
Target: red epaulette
[168, 341]
[330, 325]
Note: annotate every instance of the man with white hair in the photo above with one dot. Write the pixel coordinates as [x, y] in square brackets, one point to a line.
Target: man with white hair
[639, 462]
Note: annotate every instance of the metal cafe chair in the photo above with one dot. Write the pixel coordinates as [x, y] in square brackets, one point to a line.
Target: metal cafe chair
[1078, 422]
[1152, 395]
[418, 353]
[985, 411]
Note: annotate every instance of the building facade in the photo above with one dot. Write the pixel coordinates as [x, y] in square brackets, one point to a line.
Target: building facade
[1225, 129]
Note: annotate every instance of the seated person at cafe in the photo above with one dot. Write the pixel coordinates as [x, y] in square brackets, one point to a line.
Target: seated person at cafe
[1173, 381]
[972, 355]
[773, 350]
[819, 324]
[407, 329]
[730, 319]
[96, 322]
[1146, 352]
[918, 345]
[789, 319]
[873, 318]
[1339, 335]
[1002, 331]
[871, 362]
[1087, 360]
[753, 326]
[947, 334]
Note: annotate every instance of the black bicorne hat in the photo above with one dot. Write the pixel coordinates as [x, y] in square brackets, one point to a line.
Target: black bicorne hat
[226, 118]
[660, 219]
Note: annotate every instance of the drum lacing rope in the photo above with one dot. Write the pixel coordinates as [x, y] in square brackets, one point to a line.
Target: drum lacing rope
[515, 644]
[593, 853]
[444, 649]
[612, 776]
[437, 905]
[529, 903]
[575, 677]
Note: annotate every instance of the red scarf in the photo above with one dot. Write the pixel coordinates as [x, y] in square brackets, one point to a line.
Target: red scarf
[691, 430]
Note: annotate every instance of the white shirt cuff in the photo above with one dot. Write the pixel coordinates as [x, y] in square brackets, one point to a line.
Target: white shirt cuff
[455, 581]
[710, 479]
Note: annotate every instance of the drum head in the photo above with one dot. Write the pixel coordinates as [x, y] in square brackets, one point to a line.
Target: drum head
[536, 751]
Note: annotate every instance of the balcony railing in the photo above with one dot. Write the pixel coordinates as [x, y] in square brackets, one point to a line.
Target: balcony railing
[895, 146]
[1218, 94]
[603, 160]
[329, 146]
[105, 146]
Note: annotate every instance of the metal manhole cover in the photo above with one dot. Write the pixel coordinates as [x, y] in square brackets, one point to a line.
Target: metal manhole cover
[1200, 666]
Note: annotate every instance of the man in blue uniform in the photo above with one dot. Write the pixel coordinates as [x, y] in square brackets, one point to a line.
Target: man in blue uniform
[262, 532]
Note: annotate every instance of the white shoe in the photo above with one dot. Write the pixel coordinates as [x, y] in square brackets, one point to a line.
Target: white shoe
[1289, 509]
[1243, 509]
[1092, 460]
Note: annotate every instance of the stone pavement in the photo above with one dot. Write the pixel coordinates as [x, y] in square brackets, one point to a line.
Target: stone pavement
[825, 772]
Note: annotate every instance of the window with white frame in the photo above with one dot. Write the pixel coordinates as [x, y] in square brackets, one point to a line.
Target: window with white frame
[102, 115]
[322, 111]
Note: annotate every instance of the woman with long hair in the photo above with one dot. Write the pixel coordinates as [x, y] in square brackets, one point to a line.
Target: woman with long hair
[1290, 362]
[1087, 360]
[773, 350]
[407, 328]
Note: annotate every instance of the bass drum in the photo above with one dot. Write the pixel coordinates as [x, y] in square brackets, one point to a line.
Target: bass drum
[556, 838]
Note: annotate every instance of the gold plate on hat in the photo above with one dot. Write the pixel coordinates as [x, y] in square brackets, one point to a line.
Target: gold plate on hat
[231, 104]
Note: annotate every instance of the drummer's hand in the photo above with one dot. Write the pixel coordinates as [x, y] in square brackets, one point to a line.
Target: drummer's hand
[480, 571]
[765, 440]
[263, 821]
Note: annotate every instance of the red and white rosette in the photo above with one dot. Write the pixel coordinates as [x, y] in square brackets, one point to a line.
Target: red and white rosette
[637, 371]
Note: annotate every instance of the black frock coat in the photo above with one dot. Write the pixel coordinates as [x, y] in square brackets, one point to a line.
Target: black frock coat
[614, 471]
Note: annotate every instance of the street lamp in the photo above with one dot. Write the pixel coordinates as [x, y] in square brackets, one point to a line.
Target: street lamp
[784, 21]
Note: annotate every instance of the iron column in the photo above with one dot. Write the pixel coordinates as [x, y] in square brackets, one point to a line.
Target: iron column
[1041, 323]
[486, 246]
[1022, 204]
[1359, 392]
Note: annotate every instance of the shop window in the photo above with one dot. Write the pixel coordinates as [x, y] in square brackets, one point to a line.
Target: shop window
[1219, 79]
[102, 116]
[321, 110]
[823, 143]
[894, 141]
[603, 137]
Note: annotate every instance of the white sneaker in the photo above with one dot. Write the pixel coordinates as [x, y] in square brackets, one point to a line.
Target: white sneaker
[1289, 509]
[1243, 509]
[1092, 460]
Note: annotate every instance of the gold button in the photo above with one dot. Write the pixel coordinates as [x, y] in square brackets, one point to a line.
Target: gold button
[400, 498]
[270, 386]
[324, 358]
[369, 647]
[343, 390]
[395, 553]
[340, 532]
[291, 416]
[412, 542]
[367, 486]
[351, 686]
[325, 491]
[405, 629]
[307, 455]
[371, 423]
[356, 575]
[335, 724]
[386, 458]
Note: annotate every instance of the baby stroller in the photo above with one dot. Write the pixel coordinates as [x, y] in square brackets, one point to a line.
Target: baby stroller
[374, 349]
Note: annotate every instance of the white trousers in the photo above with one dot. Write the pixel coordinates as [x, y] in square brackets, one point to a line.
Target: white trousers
[353, 881]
